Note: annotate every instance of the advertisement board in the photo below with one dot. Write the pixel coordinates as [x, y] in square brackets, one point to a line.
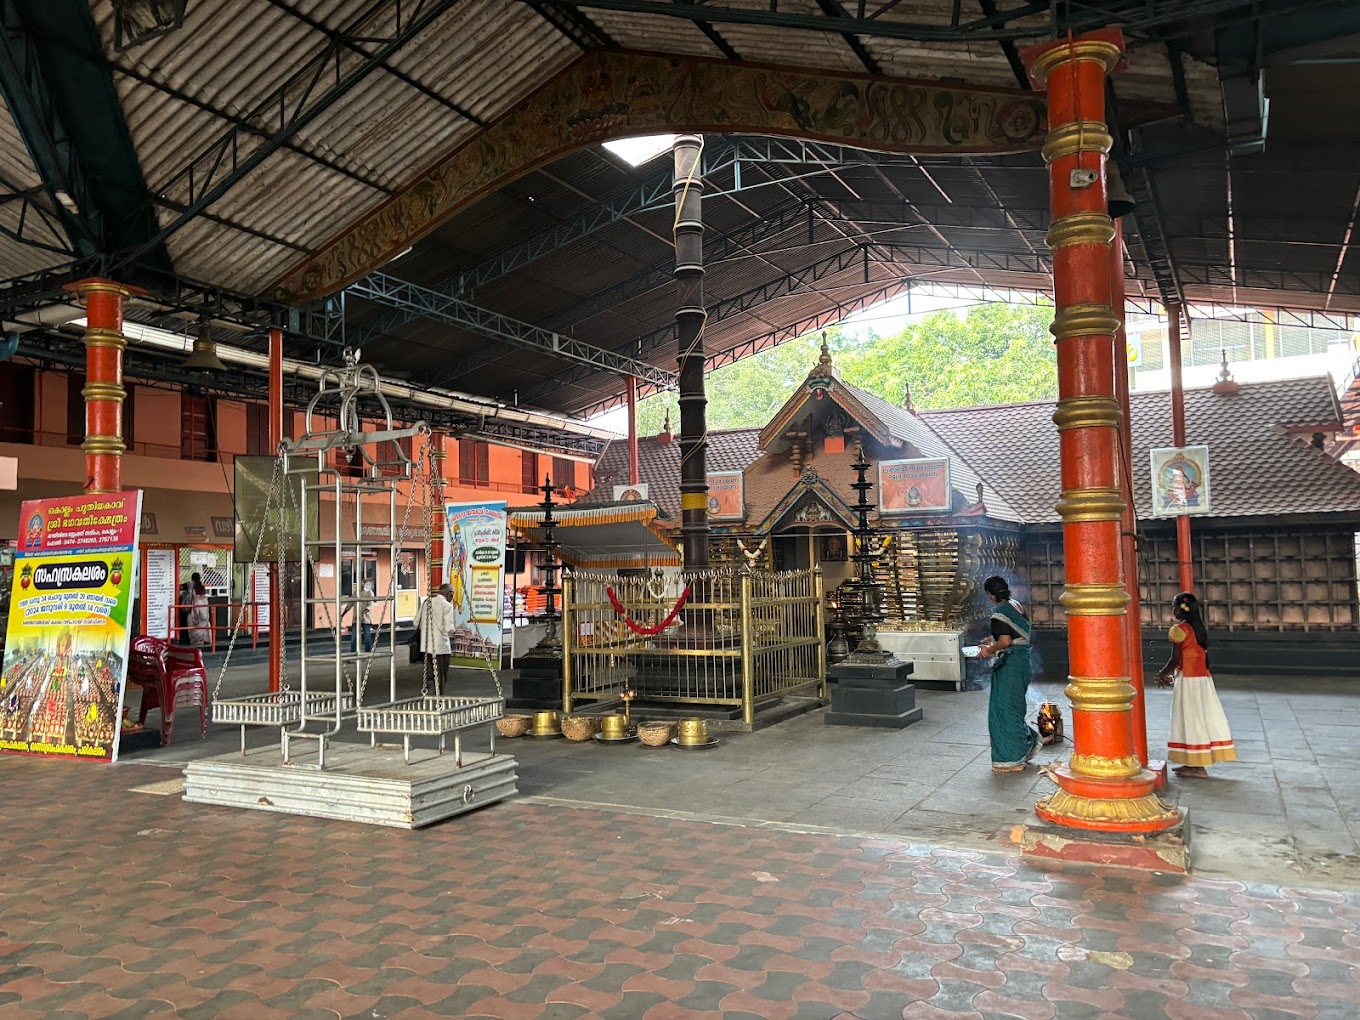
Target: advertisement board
[70, 618]
[474, 563]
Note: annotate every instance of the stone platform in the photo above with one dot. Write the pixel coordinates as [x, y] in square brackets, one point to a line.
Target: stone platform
[360, 784]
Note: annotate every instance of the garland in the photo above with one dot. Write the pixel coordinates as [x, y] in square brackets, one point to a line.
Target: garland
[619, 610]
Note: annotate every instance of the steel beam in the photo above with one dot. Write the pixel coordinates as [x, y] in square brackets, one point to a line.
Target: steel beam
[45, 137]
[296, 103]
[432, 304]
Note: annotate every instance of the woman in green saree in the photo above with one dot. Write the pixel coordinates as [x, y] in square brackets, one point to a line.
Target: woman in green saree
[1014, 741]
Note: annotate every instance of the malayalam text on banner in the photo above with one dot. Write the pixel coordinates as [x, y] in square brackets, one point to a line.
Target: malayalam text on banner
[475, 566]
[66, 646]
[914, 486]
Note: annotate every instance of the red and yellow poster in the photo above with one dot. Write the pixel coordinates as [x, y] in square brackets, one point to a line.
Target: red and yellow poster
[914, 486]
[61, 687]
[725, 496]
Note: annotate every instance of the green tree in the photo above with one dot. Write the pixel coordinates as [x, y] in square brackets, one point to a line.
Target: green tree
[992, 354]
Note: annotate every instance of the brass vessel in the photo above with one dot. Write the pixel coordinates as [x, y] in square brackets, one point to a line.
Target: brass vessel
[692, 731]
[546, 723]
[613, 727]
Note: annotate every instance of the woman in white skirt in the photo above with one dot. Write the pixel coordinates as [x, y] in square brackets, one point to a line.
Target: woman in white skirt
[1199, 729]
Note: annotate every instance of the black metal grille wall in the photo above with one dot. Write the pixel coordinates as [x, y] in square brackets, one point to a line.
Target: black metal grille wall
[1261, 580]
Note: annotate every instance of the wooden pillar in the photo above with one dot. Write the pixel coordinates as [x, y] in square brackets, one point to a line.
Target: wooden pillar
[435, 520]
[1128, 522]
[276, 621]
[1175, 323]
[634, 470]
[103, 391]
[1104, 786]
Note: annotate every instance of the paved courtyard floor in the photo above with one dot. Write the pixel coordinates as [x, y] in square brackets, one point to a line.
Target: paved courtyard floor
[802, 871]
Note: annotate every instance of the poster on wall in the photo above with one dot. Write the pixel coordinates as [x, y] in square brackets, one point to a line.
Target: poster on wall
[259, 594]
[474, 563]
[919, 486]
[160, 590]
[630, 493]
[1180, 481]
[725, 501]
[70, 617]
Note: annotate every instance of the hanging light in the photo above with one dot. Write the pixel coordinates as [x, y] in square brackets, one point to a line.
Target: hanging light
[203, 358]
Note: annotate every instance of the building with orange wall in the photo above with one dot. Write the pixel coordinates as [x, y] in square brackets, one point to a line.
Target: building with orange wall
[181, 449]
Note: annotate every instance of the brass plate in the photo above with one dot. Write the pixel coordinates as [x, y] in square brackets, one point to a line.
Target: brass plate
[710, 742]
[601, 738]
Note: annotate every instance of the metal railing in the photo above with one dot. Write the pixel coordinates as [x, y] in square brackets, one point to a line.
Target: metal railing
[741, 638]
[222, 619]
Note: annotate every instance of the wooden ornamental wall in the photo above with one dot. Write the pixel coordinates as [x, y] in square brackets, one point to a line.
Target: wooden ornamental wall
[936, 576]
[1259, 580]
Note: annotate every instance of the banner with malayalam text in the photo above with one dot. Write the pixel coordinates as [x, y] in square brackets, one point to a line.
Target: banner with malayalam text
[474, 563]
[70, 618]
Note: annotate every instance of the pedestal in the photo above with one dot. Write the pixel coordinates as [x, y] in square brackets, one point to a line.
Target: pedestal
[1166, 850]
[536, 683]
[872, 694]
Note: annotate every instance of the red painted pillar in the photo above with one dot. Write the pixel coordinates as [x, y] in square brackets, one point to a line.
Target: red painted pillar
[1128, 522]
[436, 513]
[276, 621]
[633, 468]
[1103, 786]
[103, 392]
[1175, 320]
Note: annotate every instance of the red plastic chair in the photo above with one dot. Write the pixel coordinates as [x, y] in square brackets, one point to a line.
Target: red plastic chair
[146, 669]
[188, 679]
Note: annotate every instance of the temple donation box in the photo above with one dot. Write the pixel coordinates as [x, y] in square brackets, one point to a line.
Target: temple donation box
[936, 655]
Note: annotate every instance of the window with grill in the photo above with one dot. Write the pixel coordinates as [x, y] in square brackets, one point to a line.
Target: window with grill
[529, 471]
[474, 459]
[257, 430]
[198, 427]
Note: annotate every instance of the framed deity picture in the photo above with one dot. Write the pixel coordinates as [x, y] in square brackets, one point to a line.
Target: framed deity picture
[918, 486]
[831, 549]
[1180, 481]
[725, 496]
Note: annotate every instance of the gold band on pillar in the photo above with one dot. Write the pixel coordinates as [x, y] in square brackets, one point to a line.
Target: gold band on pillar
[1113, 812]
[104, 444]
[1105, 53]
[1094, 599]
[1086, 413]
[1099, 693]
[1080, 228]
[1084, 320]
[1105, 768]
[103, 391]
[1077, 136]
[1086, 505]
[97, 336]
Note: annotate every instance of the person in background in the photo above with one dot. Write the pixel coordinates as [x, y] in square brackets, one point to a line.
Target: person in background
[183, 603]
[434, 620]
[1199, 729]
[1014, 741]
[363, 619]
[200, 623]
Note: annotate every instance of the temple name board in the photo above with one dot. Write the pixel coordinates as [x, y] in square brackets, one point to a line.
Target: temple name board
[725, 496]
[914, 486]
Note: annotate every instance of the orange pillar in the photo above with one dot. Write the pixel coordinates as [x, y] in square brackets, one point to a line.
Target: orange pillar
[633, 468]
[276, 621]
[436, 513]
[1104, 786]
[1128, 522]
[1175, 320]
[103, 392]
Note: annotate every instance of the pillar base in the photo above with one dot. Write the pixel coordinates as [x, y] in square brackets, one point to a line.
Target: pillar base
[1167, 851]
[1157, 767]
[1127, 806]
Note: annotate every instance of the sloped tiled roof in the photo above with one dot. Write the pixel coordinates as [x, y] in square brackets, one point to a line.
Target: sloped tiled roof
[659, 465]
[1261, 460]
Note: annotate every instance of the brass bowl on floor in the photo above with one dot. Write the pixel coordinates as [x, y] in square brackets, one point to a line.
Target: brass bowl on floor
[580, 727]
[656, 734]
[691, 731]
[546, 724]
[613, 727]
[513, 725]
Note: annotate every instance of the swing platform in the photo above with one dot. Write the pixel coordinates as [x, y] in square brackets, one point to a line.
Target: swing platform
[369, 785]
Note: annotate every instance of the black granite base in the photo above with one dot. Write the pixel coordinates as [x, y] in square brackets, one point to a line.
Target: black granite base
[536, 683]
[872, 694]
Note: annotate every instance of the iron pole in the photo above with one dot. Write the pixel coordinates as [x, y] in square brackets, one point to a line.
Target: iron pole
[688, 189]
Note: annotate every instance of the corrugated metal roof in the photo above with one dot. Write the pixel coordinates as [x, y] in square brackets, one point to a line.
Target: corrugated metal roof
[17, 174]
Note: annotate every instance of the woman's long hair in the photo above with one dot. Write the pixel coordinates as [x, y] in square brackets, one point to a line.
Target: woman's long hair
[997, 588]
[1186, 607]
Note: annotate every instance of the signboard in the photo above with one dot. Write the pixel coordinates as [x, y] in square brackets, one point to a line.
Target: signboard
[259, 574]
[1180, 481]
[161, 587]
[630, 493]
[914, 486]
[474, 563]
[725, 501]
[61, 688]
[253, 478]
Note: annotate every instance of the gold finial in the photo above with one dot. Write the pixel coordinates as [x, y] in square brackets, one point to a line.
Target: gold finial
[666, 425]
[907, 403]
[825, 358]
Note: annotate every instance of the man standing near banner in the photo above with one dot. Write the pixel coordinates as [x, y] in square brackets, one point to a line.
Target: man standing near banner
[435, 622]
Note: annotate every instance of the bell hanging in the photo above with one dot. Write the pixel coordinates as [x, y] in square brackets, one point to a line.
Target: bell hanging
[1118, 202]
[203, 358]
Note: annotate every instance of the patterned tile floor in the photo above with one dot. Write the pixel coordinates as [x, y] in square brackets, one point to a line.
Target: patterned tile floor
[128, 905]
